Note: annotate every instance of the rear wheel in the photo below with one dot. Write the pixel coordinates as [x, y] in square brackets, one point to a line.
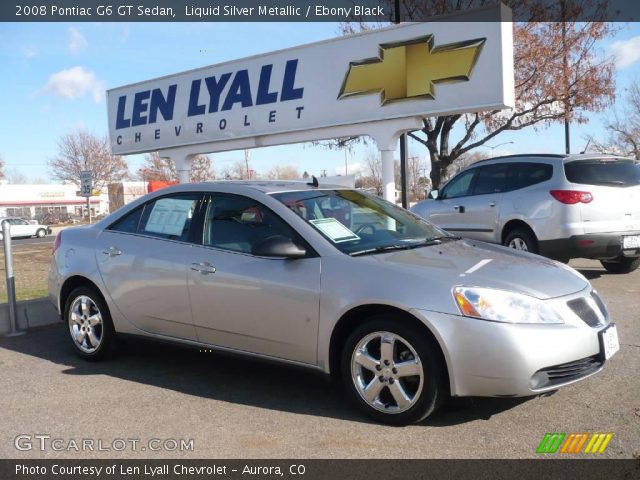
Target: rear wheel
[621, 264]
[89, 323]
[521, 239]
[393, 371]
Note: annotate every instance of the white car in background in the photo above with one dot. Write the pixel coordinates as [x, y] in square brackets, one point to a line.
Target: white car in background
[560, 206]
[22, 228]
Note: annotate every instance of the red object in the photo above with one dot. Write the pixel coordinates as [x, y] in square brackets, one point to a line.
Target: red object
[57, 242]
[571, 197]
[159, 184]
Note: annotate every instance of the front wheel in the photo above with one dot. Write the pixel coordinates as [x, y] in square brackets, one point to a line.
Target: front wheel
[89, 323]
[41, 233]
[621, 264]
[393, 371]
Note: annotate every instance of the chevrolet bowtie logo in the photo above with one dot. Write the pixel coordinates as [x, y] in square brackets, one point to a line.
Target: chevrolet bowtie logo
[411, 69]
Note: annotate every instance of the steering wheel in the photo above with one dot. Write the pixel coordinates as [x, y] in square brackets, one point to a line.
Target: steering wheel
[364, 226]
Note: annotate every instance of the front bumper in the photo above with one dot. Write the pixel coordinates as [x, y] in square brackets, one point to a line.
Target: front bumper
[495, 359]
[592, 245]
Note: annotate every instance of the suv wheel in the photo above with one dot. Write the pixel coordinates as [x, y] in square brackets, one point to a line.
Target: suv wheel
[393, 372]
[89, 323]
[521, 239]
[621, 264]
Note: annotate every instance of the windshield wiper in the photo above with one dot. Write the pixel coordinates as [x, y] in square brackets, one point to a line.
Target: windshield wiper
[439, 239]
[406, 246]
[386, 248]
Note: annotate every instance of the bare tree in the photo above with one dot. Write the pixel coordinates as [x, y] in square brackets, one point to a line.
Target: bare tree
[164, 169]
[15, 177]
[623, 129]
[558, 75]
[238, 171]
[83, 151]
[372, 173]
[283, 172]
[2, 174]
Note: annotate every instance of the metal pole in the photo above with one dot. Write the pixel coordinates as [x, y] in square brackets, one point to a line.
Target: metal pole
[403, 138]
[565, 73]
[89, 209]
[403, 171]
[11, 282]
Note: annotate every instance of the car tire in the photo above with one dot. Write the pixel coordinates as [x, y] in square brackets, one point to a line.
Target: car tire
[622, 264]
[375, 385]
[41, 233]
[521, 239]
[89, 324]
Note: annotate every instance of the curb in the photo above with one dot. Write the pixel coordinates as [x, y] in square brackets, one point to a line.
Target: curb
[31, 313]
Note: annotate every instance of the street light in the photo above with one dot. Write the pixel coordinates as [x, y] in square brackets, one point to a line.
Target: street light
[495, 146]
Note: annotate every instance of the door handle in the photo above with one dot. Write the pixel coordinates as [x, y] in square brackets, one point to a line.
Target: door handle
[459, 208]
[112, 251]
[204, 268]
[492, 204]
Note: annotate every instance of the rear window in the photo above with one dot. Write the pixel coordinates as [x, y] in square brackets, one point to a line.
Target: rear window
[615, 173]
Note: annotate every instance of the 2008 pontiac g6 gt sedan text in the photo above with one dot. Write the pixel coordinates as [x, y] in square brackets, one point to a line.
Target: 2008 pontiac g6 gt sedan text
[333, 279]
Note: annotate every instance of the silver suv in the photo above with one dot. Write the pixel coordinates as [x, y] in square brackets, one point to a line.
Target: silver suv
[561, 206]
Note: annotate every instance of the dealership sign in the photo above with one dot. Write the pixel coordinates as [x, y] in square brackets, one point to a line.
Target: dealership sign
[403, 71]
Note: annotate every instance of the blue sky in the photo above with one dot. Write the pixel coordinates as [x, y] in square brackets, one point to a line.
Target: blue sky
[41, 61]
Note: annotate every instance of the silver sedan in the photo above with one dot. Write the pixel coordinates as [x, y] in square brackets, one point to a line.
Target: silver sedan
[336, 280]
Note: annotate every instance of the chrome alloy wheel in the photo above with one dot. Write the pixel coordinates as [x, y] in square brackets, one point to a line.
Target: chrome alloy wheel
[85, 324]
[387, 372]
[518, 244]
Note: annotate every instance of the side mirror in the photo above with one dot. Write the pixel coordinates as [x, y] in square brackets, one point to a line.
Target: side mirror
[433, 194]
[278, 246]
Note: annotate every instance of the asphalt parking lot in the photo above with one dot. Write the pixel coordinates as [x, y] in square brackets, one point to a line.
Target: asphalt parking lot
[238, 408]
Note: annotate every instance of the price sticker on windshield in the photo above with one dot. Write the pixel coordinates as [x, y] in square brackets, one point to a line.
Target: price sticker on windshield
[335, 230]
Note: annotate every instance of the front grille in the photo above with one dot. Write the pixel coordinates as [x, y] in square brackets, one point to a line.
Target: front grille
[583, 309]
[566, 372]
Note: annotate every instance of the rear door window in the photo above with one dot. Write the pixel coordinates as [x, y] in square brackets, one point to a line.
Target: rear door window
[491, 179]
[614, 173]
[522, 175]
[171, 217]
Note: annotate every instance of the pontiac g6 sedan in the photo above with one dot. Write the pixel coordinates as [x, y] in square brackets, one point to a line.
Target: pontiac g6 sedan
[336, 280]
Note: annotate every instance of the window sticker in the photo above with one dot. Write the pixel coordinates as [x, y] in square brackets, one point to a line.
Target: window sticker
[169, 216]
[335, 230]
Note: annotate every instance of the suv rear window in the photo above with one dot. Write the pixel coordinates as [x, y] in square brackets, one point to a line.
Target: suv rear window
[615, 173]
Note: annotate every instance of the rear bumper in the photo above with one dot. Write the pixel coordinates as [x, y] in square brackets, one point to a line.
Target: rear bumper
[591, 245]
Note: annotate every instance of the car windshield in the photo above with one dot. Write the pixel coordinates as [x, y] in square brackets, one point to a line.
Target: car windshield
[358, 223]
[616, 172]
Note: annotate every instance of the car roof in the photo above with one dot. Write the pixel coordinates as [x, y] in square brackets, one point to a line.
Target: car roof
[564, 158]
[265, 186]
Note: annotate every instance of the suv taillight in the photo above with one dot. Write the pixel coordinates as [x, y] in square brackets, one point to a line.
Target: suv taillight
[571, 197]
[57, 242]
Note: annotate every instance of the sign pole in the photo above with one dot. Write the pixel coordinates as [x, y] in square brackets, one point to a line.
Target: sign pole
[11, 281]
[403, 140]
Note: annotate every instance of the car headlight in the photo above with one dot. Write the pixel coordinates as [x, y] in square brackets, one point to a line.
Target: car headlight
[503, 306]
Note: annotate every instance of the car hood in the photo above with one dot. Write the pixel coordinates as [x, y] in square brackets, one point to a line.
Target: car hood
[479, 264]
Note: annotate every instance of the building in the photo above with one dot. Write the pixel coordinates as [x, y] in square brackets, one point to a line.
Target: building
[33, 201]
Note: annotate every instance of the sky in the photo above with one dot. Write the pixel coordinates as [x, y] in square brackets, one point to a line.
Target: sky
[54, 77]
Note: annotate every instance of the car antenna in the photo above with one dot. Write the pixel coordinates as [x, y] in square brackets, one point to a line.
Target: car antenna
[313, 182]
